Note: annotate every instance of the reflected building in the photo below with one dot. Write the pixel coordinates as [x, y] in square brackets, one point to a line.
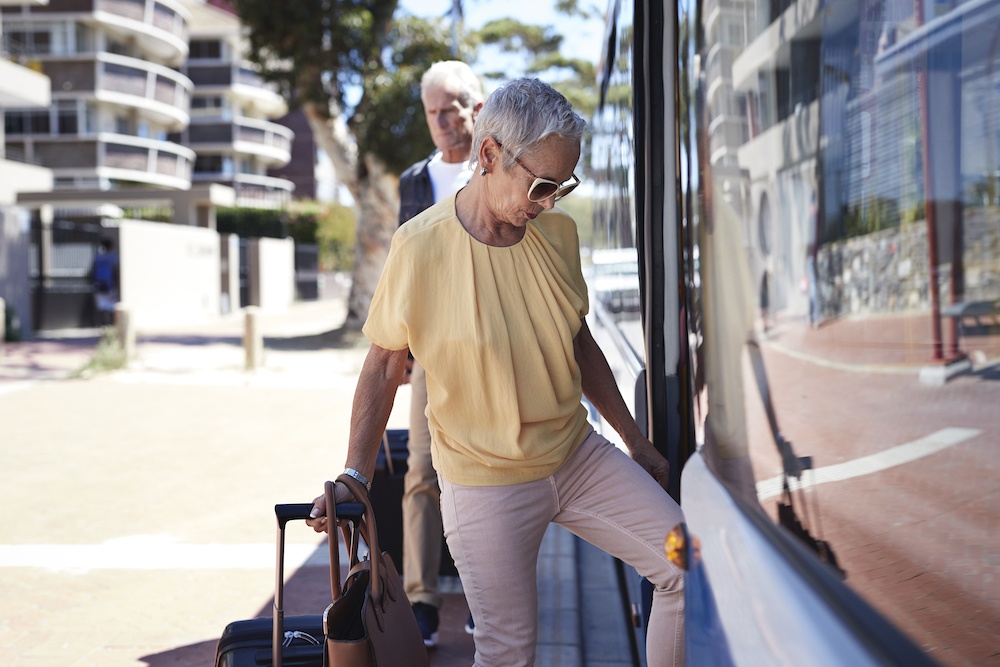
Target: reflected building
[885, 103]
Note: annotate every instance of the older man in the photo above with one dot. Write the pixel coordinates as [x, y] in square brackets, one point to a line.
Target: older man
[452, 96]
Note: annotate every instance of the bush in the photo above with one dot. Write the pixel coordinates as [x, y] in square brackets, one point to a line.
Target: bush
[330, 226]
[335, 235]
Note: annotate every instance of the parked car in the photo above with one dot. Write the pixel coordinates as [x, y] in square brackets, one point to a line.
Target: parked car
[614, 279]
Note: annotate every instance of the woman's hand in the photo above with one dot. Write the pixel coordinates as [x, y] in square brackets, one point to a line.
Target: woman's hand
[317, 520]
[644, 453]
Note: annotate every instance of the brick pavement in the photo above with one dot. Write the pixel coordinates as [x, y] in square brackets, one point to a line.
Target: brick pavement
[919, 541]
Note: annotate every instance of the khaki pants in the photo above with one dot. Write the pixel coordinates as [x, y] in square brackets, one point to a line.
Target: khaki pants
[601, 495]
[421, 504]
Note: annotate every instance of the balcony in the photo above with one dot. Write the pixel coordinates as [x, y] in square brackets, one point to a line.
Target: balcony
[252, 190]
[239, 81]
[158, 93]
[22, 87]
[113, 157]
[17, 177]
[159, 27]
[269, 141]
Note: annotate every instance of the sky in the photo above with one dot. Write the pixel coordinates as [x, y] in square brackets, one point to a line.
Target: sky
[586, 38]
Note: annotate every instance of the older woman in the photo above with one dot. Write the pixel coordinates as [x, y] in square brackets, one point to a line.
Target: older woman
[485, 288]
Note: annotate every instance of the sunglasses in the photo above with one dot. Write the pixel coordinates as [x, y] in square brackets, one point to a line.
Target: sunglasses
[542, 188]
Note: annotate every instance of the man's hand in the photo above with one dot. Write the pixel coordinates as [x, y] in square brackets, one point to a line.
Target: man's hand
[643, 453]
[317, 520]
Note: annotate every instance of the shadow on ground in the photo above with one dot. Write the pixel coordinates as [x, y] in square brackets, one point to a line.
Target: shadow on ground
[308, 592]
[342, 338]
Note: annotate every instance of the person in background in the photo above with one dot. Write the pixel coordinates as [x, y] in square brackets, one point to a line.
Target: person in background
[485, 288]
[104, 276]
[452, 96]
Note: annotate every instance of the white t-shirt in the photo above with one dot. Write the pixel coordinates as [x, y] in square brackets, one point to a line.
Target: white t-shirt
[447, 178]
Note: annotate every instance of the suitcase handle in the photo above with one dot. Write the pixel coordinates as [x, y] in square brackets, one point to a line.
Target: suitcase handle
[300, 511]
[284, 514]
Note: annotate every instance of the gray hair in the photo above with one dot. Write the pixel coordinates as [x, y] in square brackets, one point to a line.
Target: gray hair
[522, 112]
[455, 76]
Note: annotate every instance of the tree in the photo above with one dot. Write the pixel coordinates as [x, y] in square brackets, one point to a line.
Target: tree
[355, 70]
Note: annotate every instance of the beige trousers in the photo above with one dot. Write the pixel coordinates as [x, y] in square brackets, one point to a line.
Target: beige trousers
[421, 504]
[600, 494]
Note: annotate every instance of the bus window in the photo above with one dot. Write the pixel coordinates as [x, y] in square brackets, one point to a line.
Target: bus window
[842, 189]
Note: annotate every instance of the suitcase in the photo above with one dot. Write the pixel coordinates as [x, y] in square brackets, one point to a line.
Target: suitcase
[251, 643]
[387, 500]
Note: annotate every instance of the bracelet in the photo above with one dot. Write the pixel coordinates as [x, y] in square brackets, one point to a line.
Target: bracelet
[351, 472]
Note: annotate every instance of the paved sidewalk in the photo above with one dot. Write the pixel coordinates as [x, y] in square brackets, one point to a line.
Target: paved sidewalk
[884, 343]
[138, 502]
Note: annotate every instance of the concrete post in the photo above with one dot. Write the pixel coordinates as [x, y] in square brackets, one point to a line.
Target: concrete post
[125, 330]
[253, 339]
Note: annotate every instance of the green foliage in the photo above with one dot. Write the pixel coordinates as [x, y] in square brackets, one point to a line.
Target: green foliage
[877, 214]
[325, 51]
[316, 49]
[271, 223]
[335, 235]
[330, 226]
[109, 356]
[390, 120]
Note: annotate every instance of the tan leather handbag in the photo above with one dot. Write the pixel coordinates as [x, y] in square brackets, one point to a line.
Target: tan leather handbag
[370, 622]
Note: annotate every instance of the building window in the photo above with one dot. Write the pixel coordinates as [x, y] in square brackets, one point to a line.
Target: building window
[208, 49]
[208, 164]
[66, 117]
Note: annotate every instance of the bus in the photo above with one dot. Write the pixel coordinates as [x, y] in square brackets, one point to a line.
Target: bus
[812, 190]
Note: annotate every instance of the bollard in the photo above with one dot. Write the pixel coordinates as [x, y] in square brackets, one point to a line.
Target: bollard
[253, 340]
[125, 331]
[3, 325]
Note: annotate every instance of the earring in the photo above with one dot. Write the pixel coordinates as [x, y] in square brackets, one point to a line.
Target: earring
[483, 172]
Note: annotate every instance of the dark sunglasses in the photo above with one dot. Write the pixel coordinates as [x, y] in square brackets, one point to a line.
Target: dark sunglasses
[542, 188]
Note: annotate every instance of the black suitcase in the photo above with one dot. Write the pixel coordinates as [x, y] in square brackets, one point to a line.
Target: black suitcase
[387, 500]
[251, 643]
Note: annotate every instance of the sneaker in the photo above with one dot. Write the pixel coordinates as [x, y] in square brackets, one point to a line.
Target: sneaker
[427, 621]
[470, 625]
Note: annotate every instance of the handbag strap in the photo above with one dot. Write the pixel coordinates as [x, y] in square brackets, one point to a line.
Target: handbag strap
[366, 527]
[333, 542]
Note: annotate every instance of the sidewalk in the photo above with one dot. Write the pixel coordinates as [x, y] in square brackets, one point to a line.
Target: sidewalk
[185, 431]
[883, 343]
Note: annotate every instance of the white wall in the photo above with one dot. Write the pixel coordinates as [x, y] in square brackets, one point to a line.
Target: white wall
[169, 273]
[277, 273]
[15, 287]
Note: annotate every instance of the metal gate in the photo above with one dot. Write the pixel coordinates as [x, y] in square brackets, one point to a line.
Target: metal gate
[61, 262]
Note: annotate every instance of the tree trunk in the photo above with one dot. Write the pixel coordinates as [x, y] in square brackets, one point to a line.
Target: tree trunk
[376, 205]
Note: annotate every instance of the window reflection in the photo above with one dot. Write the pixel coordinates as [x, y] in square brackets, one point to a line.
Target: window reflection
[852, 151]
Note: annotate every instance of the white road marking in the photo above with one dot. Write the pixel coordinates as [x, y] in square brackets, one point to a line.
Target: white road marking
[159, 553]
[866, 465]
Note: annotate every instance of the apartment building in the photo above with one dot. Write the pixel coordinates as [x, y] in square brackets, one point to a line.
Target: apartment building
[117, 94]
[231, 110]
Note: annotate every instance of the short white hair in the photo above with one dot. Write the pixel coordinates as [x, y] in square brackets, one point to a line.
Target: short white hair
[455, 76]
[522, 112]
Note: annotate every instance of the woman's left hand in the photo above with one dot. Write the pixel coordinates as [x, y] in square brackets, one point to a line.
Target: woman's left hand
[652, 461]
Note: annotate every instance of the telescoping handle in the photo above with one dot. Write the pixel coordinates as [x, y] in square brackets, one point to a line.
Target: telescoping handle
[284, 514]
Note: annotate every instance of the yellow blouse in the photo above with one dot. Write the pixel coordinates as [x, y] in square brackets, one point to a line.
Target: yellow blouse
[493, 328]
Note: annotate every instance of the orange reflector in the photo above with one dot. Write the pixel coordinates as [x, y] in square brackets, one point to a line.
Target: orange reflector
[676, 547]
